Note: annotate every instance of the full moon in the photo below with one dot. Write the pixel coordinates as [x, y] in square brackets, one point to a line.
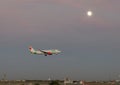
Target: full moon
[89, 13]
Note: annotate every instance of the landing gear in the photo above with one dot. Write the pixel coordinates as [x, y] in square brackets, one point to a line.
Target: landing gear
[45, 54]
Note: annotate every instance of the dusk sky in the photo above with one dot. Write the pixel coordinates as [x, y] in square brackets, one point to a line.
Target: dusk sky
[90, 45]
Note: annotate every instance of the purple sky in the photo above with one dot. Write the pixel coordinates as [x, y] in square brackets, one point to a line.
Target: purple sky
[90, 45]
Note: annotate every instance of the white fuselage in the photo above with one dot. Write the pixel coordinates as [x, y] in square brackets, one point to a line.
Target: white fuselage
[44, 52]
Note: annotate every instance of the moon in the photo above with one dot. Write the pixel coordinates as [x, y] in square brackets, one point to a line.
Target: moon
[89, 13]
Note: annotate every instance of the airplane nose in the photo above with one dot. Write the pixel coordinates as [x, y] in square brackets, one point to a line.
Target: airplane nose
[59, 51]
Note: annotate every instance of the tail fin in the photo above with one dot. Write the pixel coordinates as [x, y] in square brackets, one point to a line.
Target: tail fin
[31, 49]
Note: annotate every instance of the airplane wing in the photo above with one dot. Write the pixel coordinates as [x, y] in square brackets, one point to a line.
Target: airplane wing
[46, 53]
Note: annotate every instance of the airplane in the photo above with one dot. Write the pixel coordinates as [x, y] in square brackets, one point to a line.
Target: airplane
[44, 52]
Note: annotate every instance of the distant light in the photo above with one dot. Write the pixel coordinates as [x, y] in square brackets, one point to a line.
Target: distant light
[89, 13]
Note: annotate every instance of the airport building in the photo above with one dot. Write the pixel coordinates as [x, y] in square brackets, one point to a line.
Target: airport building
[55, 82]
